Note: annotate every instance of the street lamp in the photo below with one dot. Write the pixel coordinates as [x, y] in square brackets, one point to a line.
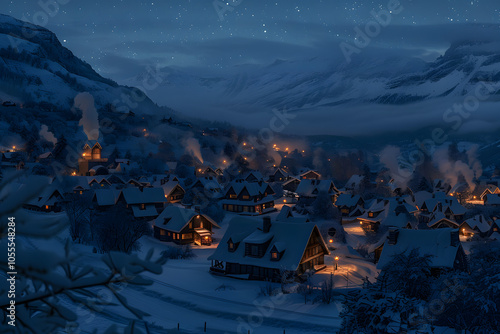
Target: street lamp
[336, 262]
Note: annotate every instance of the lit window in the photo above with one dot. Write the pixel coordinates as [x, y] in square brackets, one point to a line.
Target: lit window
[274, 255]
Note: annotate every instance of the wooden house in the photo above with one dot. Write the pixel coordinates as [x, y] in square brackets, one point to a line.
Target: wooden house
[310, 175]
[440, 203]
[144, 202]
[309, 189]
[208, 171]
[347, 203]
[264, 250]
[291, 185]
[209, 186]
[442, 245]
[278, 175]
[173, 191]
[49, 200]
[393, 212]
[248, 198]
[476, 225]
[184, 226]
[104, 199]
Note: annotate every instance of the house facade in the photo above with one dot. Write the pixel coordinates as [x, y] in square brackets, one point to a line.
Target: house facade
[184, 226]
[264, 250]
[250, 198]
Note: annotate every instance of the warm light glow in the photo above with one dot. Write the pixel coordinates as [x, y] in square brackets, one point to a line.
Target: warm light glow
[47, 207]
[463, 229]
[361, 223]
[452, 195]
[244, 144]
[286, 149]
[284, 201]
[336, 258]
[224, 161]
[199, 170]
[144, 130]
[274, 145]
[330, 241]
[206, 237]
[166, 196]
[74, 173]
[198, 216]
[303, 151]
[13, 147]
[475, 197]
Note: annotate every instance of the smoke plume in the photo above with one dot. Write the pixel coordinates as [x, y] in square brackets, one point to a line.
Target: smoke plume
[193, 147]
[390, 157]
[47, 135]
[453, 170]
[90, 117]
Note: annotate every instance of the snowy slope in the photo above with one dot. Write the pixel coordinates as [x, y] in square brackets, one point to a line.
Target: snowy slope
[371, 88]
[35, 67]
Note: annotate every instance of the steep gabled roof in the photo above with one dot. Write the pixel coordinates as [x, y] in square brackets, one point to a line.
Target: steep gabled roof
[477, 223]
[143, 196]
[435, 243]
[174, 218]
[310, 188]
[347, 200]
[106, 197]
[290, 238]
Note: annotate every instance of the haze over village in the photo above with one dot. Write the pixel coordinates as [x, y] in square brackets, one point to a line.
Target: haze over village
[250, 167]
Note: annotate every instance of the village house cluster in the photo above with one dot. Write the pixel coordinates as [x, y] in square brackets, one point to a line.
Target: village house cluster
[258, 244]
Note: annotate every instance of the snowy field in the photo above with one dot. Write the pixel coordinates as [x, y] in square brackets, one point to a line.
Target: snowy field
[186, 294]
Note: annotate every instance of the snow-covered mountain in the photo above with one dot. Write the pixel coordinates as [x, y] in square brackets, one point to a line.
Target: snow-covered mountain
[384, 85]
[35, 68]
[382, 80]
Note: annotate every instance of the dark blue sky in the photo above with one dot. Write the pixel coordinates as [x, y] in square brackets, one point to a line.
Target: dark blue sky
[119, 37]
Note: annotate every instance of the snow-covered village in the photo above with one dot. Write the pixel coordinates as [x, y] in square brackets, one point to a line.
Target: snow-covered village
[248, 167]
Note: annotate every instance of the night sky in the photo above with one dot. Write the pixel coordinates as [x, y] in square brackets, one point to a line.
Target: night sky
[119, 38]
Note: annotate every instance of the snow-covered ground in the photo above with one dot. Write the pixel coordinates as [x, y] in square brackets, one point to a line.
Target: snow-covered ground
[188, 295]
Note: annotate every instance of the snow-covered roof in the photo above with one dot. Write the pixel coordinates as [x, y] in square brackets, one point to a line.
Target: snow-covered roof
[49, 196]
[169, 186]
[354, 181]
[106, 197]
[492, 199]
[421, 197]
[477, 223]
[174, 218]
[310, 188]
[253, 188]
[439, 217]
[143, 195]
[290, 238]
[285, 213]
[347, 200]
[439, 244]
[148, 211]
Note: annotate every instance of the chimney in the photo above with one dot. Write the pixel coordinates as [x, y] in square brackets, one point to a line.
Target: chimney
[197, 208]
[481, 218]
[393, 237]
[266, 224]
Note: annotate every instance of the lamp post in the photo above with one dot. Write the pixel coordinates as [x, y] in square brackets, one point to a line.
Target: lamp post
[336, 262]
